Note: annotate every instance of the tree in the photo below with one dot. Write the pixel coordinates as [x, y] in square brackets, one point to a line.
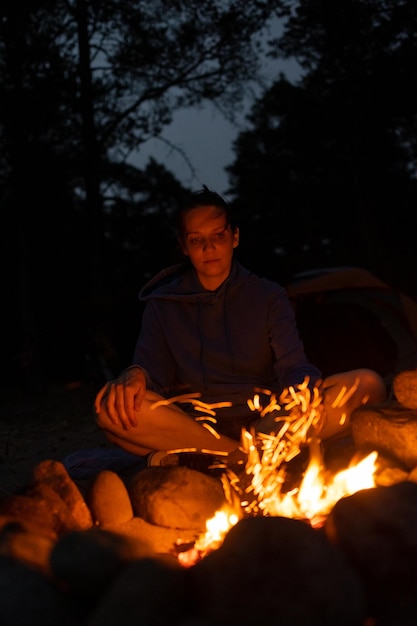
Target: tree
[36, 181]
[84, 83]
[139, 62]
[332, 160]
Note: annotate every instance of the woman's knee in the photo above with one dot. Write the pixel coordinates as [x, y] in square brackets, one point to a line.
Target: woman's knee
[363, 384]
[373, 385]
[105, 424]
[103, 420]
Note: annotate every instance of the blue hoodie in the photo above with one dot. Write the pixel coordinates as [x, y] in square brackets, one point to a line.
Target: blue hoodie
[223, 344]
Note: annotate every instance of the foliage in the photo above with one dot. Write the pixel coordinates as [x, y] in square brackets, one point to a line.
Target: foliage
[326, 171]
[83, 84]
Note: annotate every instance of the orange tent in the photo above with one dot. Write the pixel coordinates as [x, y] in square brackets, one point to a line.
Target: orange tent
[349, 318]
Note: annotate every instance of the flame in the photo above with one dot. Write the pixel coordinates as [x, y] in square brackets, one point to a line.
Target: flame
[317, 494]
[217, 528]
[268, 455]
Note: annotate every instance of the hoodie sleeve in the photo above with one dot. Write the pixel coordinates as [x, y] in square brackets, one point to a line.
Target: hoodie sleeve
[152, 352]
[290, 361]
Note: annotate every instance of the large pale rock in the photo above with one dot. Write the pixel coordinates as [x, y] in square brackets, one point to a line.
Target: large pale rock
[176, 497]
[390, 431]
[108, 499]
[377, 530]
[275, 570]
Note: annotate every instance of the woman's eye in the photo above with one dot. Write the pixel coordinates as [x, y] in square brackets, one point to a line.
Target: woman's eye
[220, 236]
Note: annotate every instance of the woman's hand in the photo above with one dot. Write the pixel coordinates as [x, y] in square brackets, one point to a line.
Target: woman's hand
[120, 399]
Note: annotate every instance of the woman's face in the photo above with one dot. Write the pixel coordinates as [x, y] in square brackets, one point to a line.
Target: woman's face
[209, 242]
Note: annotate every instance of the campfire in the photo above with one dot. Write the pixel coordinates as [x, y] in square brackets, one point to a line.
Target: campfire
[265, 487]
[285, 529]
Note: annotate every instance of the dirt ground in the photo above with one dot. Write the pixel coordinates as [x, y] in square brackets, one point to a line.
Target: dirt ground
[51, 427]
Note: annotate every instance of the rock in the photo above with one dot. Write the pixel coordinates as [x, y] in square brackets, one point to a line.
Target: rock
[86, 562]
[108, 499]
[146, 592]
[50, 505]
[53, 474]
[31, 548]
[175, 497]
[412, 476]
[404, 387]
[277, 570]
[28, 597]
[387, 476]
[376, 529]
[61, 563]
[162, 540]
[37, 515]
[390, 431]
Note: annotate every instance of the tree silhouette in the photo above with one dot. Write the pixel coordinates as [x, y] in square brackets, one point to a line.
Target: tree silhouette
[326, 172]
[83, 85]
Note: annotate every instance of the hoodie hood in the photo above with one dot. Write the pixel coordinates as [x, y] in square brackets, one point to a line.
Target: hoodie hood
[180, 282]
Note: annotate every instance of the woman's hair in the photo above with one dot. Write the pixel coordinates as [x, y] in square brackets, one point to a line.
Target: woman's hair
[202, 198]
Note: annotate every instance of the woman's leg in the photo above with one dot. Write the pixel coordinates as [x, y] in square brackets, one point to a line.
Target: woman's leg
[163, 425]
[343, 393]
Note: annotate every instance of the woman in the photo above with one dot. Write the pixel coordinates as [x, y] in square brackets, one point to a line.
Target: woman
[214, 333]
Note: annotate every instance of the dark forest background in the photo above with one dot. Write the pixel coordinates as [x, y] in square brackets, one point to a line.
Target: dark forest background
[324, 174]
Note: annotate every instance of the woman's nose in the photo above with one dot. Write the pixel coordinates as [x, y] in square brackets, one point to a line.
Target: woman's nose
[208, 243]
